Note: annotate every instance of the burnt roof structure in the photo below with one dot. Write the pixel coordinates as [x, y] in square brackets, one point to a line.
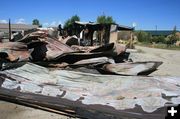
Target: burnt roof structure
[119, 27]
[103, 30]
[122, 27]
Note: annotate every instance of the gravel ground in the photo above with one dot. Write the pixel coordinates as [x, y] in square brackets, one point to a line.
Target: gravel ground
[170, 59]
[170, 67]
[13, 111]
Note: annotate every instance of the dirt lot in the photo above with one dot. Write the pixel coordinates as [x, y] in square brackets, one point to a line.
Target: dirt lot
[170, 67]
[170, 59]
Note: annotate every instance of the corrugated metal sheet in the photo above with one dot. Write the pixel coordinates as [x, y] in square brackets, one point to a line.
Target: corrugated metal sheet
[110, 95]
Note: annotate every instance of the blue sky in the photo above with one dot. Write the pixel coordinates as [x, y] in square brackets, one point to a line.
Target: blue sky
[146, 14]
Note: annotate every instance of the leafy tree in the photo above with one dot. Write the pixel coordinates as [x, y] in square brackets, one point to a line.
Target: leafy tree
[174, 35]
[75, 18]
[143, 36]
[158, 39]
[70, 21]
[148, 38]
[105, 19]
[171, 39]
[36, 22]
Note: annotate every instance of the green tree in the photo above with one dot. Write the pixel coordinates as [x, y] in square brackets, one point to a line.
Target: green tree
[104, 19]
[159, 39]
[143, 36]
[75, 18]
[70, 21]
[173, 37]
[36, 22]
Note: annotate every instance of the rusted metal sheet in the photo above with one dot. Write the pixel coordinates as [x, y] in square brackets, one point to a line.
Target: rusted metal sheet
[14, 51]
[101, 60]
[92, 49]
[134, 68]
[83, 49]
[54, 47]
[71, 40]
[108, 50]
[73, 57]
[103, 48]
[13, 46]
[88, 95]
[119, 48]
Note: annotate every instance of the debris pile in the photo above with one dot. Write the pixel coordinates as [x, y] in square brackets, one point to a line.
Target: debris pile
[40, 48]
[42, 72]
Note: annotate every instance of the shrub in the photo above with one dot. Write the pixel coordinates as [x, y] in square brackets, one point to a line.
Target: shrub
[158, 39]
[143, 36]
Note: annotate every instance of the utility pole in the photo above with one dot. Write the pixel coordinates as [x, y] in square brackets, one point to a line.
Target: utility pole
[156, 27]
[9, 30]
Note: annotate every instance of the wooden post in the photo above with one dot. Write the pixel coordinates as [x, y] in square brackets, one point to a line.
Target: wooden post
[131, 40]
[9, 30]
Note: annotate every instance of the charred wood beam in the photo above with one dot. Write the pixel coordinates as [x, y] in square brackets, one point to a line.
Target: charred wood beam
[9, 30]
